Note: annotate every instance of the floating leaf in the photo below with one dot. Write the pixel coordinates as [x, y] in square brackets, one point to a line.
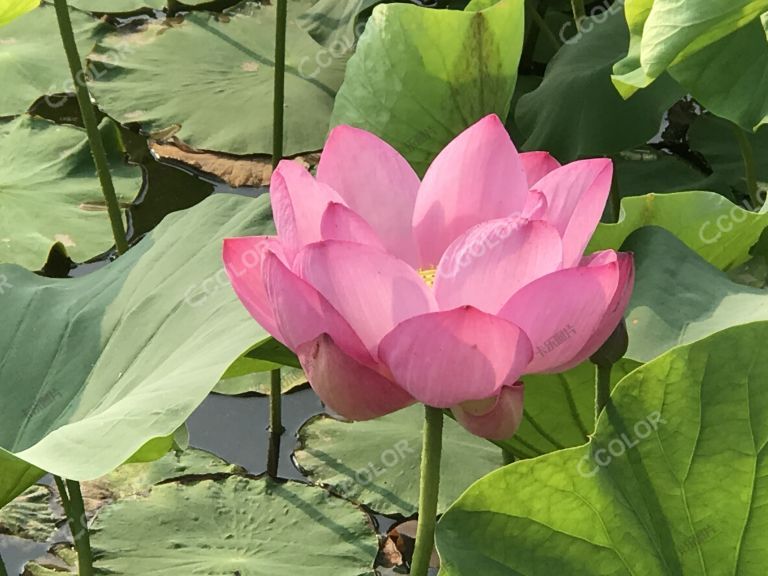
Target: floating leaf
[31, 68]
[189, 80]
[672, 482]
[421, 76]
[138, 479]
[376, 462]
[51, 193]
[125, 354]
[29, 516]
[234, 526]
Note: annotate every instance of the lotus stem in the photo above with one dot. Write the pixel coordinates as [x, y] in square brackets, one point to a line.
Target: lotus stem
[579, 12]
[279, 92]
[72, 501]
[543, 26]
[173, 7]
[275, 423]
[750, 168]
[602, 388]
[429, 488]
[3, 571]
[88, 113]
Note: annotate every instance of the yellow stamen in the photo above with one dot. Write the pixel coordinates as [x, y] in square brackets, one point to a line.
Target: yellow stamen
[428, 274]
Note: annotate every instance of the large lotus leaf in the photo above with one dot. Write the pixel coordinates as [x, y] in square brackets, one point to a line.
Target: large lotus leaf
[728, 77]
[49, 191]
[576, 110]
[12, 9]
[235, 526]
[32, 59]
[672, 31]
[674, 481]
[718, 230]
[29, 516]
[376, 462]
[559, 410]
[420, 76]
[680, 298]
[124, 354]
[209, 81]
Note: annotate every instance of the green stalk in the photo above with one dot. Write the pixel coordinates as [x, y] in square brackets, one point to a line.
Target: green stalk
[91, 125]
[173, 7]
[275, 423]
[750, 168]
[602, 387]
[279, 101]
[429, 488]
[579, 12]
[3, 571]
[615, 199]
[544, 27]
[72, 501]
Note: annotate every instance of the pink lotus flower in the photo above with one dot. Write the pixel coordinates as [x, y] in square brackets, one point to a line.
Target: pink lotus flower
[444, 291]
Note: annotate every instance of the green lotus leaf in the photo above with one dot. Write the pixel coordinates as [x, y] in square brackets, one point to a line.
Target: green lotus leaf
[32, 67]
[420, 76]
[673, 481]
[335, 22]
[12, 9]
[559, 410]
[208, 81]
[234, 526]
[718, 230]
[702, 44]
[259, 382]
[576, 111]
[376, 462]
[680, 298]
[138, 479]
[50, 192]
[123, 355]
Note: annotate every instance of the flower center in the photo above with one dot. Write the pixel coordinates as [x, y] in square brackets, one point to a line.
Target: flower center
[428, 274]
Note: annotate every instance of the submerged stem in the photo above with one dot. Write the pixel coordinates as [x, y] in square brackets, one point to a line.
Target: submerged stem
[72, 501]
[275, 423]
[602, 388]
[579, 12]
[429, 488]
[88, 113]
[750, 168]
[279, 91]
